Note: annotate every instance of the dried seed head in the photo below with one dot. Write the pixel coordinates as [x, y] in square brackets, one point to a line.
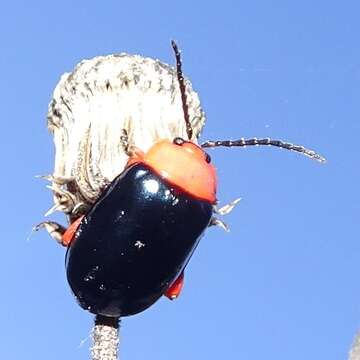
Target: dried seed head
[93, 106]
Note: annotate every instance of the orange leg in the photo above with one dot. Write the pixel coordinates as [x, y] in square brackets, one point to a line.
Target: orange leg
[70, 232]
[174, 290]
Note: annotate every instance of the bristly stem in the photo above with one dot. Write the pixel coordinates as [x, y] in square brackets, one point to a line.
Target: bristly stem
[268, 142]
[105, 338]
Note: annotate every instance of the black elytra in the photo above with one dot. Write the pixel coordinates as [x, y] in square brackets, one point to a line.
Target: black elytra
[134, 242]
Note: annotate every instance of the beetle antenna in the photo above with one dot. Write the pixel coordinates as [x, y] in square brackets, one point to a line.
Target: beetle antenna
[181, 81]
[268, 142]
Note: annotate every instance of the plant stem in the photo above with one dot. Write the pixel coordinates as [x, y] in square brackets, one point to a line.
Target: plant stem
[105, 336]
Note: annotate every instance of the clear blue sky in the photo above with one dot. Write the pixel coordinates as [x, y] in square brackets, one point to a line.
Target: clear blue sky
[283, 284]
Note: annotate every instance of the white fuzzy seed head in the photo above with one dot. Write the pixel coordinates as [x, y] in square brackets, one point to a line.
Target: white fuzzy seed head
[90, 109]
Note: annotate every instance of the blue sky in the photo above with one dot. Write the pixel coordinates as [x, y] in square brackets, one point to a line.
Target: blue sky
[283, 284]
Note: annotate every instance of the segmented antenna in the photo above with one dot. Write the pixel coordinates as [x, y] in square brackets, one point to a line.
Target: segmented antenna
[267, 141]
[180, 77]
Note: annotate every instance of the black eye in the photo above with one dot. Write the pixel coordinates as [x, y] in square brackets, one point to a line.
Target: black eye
[207, 158]
[178, 141]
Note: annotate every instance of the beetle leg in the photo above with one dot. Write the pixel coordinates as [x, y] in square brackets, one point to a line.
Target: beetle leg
[135, 154]
[68, 236]
[217, 222]
[224, 210]
[174, 290]
[58, 232]
[124, 141]
[55, 230]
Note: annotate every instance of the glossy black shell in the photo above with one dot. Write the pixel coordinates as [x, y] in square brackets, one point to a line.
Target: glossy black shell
[133, 243]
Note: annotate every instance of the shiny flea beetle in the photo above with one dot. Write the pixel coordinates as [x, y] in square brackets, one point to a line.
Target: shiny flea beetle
[132, 246]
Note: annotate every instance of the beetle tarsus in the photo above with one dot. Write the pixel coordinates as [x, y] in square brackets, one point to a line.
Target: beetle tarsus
[217, 222]
[55, 230]
[124, 141]
[226, 209]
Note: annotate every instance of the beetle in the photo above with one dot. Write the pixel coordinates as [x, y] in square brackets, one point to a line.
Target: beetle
[134, 243]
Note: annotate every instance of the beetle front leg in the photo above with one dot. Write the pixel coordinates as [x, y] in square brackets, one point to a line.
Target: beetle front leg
[58, 232]
[135, 154]
[55, 230]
